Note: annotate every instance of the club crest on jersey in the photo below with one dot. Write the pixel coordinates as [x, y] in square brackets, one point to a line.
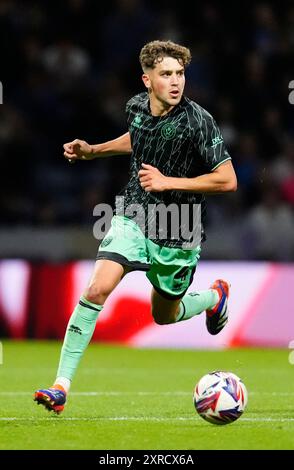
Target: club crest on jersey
[168, 131]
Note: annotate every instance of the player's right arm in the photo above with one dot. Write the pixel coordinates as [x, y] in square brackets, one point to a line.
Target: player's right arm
[81, 150]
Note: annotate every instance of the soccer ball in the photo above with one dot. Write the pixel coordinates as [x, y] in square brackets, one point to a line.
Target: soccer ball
[220, 397]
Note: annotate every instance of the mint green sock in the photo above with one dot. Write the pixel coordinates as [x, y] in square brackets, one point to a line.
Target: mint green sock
[195, 303]
[79, 332]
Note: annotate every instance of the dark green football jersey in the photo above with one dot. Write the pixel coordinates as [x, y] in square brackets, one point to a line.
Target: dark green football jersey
[186, 142]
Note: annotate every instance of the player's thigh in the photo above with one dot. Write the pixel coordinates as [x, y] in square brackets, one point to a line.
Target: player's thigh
[164, 310]
[106, 276]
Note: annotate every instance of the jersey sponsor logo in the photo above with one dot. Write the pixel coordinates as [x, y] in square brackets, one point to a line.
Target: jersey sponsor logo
[168, 131]
[216, 141]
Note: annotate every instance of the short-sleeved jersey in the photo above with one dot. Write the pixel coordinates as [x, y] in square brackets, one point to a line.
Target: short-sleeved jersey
[186, 142]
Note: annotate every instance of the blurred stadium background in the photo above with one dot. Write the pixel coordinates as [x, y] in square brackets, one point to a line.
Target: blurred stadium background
[67, 73]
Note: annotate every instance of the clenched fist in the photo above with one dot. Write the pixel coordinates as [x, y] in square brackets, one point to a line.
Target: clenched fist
[78, 150]
[152, 180]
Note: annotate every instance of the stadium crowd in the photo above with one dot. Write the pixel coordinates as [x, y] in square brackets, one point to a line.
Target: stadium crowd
[68, 69]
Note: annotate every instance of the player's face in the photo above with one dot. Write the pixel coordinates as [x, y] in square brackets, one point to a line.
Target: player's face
[166, 83]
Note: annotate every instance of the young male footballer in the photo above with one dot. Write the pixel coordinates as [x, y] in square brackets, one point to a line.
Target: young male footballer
[177, 156]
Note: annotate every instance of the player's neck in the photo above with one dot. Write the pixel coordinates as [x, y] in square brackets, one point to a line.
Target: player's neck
[158, 108]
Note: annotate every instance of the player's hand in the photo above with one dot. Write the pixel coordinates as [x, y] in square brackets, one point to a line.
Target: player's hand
[78, 150]
[151, 179]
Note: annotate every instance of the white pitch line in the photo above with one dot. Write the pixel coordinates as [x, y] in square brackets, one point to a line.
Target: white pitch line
[140, 418]
[141, 393]
[105, 393]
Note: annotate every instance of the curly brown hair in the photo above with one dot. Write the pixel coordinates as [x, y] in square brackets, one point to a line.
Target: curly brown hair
[154, 51]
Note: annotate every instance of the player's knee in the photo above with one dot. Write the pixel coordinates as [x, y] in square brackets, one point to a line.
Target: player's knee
[97, 294]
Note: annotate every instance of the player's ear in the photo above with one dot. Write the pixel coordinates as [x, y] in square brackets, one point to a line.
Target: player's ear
[146, 80]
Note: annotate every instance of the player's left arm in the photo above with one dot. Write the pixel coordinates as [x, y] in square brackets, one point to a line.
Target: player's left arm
[221, 180]
[219, 176]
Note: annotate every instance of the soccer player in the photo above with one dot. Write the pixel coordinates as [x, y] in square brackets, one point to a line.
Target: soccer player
[177, 155]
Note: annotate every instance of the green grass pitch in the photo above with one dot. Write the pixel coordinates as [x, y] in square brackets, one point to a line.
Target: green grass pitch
[125, 398]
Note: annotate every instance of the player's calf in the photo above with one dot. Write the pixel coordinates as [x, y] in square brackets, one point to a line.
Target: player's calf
[164, 310]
